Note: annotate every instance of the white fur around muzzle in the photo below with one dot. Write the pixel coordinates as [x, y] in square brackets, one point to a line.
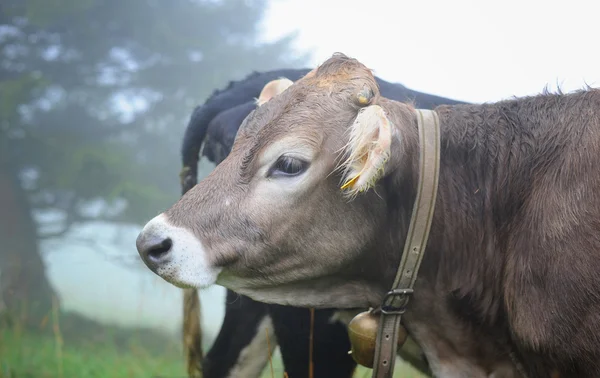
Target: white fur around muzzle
[187, 264]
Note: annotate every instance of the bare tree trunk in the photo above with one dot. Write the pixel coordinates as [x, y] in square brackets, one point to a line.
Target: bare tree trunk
[25, 292]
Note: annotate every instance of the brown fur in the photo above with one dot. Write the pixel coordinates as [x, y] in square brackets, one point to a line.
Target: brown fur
[191, 327]
[511, 264]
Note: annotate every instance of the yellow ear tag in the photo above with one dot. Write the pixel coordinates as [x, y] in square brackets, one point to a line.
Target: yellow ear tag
[363, 100]
[353, 180]
[350, 182]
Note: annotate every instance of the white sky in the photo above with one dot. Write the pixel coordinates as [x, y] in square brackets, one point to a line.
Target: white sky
[469, 50]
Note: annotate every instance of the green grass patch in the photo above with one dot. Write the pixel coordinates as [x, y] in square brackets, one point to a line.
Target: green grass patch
[31, 354]
[401, 370]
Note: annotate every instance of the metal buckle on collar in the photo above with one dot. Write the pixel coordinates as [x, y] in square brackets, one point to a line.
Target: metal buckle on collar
[389, 309]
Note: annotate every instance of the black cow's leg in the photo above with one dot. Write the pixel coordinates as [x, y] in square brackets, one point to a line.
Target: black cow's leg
[240, 350]
[330, 342]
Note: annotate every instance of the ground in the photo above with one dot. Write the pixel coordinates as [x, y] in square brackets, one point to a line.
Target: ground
[114, 354]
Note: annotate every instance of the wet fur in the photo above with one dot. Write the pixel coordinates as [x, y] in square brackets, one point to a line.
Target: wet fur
[519, 220]
[511, 262]
[514, 245]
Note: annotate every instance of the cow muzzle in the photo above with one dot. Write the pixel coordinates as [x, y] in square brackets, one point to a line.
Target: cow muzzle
[175, 254]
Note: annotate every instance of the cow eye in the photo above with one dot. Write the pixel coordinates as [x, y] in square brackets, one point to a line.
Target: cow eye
[288, 166]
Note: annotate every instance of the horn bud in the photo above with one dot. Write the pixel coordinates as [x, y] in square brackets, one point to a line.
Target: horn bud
[362, 332]
[364, 97]
[272, 89]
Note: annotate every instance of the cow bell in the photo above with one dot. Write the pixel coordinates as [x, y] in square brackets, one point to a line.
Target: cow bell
[362, 331]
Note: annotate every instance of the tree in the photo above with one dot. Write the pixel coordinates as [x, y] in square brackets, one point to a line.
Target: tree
[94, 98]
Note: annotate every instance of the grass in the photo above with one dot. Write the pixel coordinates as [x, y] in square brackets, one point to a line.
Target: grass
[33, 354]
[28, 355]
[401, 370]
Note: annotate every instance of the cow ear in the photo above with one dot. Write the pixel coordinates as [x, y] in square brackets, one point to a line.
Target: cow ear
[272, 89]
[368, 149]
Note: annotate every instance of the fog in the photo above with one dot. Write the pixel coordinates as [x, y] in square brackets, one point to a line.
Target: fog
[95, 98]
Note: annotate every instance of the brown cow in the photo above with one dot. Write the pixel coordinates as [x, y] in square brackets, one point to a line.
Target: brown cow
[510, 279]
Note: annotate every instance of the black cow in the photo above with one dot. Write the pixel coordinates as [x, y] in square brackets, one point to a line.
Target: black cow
[239, 348]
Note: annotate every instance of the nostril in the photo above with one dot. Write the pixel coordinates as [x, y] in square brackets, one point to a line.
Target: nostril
[158, 251]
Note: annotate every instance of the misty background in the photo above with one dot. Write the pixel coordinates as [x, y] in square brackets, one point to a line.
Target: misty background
[95, 96]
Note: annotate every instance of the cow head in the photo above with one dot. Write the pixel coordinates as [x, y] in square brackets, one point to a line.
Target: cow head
[297, 213]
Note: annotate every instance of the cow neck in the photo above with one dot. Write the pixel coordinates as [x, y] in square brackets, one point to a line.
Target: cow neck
[395, 301]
